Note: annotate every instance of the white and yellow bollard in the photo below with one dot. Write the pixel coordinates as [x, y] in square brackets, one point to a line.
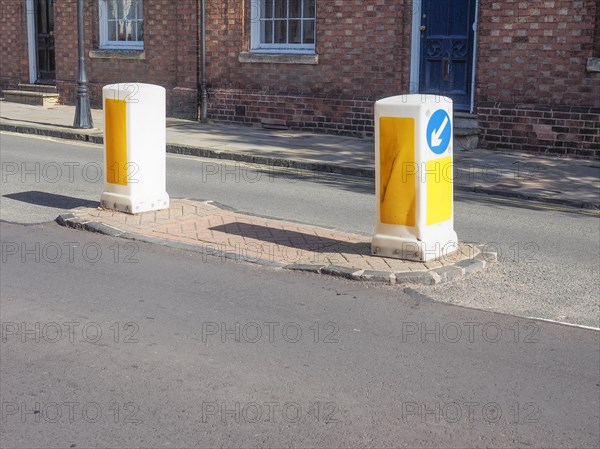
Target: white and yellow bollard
[414, 178]
[134, 148]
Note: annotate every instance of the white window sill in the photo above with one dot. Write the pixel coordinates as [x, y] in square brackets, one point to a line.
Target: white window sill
[278, 58]
[593, 65]
[117, 54]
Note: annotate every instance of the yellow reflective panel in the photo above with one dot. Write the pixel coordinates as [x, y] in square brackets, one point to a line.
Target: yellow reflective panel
[397, 171]
[439, 190]
[116, 141]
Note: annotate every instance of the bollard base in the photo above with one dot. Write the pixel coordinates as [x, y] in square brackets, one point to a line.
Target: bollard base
[412, 249]
[134, 205]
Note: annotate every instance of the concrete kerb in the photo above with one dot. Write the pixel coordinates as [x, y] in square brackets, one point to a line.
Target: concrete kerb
[435, 276]
[51, 132]
[208, 153]
[270, 161]
[523, 196]
[321, 167]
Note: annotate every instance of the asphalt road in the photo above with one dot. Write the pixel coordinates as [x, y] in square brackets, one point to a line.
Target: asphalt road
[105, 344]
[549, 257]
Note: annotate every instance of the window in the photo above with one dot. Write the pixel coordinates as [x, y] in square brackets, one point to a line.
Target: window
[122, 24]
[283, 26]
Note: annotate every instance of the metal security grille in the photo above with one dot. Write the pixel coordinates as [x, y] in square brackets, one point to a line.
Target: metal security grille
[44, 30]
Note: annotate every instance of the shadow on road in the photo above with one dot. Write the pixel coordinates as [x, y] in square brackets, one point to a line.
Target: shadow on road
[51, 200]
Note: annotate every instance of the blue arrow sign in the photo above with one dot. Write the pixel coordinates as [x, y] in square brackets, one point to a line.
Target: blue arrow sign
[439, 131]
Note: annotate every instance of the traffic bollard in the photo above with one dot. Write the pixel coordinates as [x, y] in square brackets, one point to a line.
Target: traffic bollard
[414, 178]
[134, 148]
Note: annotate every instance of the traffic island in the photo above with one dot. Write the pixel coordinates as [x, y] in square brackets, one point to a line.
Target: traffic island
[215, 230]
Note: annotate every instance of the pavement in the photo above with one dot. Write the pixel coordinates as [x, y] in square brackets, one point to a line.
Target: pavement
[215, 230]
[565, 181]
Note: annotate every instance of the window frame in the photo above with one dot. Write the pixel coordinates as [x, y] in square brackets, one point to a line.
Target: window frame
[255, 32]
[105, 44]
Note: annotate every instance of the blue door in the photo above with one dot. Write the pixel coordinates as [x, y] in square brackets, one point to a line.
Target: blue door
[447, 49]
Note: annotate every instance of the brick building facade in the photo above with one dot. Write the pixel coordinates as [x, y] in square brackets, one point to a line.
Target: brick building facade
[169, 56]
[528, 68]
[535, 91]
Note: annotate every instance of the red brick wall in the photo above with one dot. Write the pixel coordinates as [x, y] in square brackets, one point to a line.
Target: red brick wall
[562, 130]
[364, 54]
[533, 90]
[170, 46]
[305, 112]
[14, 62]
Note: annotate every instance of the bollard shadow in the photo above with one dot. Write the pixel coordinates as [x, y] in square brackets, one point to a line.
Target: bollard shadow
[51, 200]
[293, 239]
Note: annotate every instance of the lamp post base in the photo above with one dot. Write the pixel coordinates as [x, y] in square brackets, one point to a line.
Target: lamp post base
[83, 112]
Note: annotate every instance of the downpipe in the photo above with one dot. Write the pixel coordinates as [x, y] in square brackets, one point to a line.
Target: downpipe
[203, 90]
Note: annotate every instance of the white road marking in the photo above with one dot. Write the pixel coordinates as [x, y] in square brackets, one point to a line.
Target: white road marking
[580, 326]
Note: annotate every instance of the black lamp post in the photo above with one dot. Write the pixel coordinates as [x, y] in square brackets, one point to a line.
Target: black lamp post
[83, 113]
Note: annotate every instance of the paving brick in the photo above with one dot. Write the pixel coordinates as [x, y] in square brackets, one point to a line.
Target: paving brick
[378, 276]
[488, 257]
[265, 241]
[471, 265]
[103, 229]
[344, 272]
[424, 278]
[305, 267]
[449, 273]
